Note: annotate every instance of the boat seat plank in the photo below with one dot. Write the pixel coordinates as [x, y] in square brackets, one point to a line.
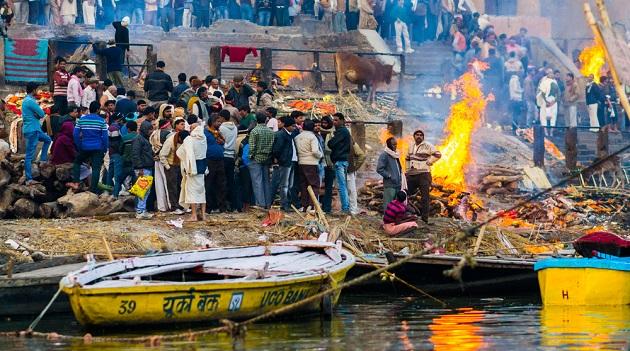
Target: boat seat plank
[149, 271]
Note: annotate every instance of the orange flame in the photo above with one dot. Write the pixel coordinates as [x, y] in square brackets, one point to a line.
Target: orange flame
[287, 76]
[464, 118]
[592, 59]
[402, 144]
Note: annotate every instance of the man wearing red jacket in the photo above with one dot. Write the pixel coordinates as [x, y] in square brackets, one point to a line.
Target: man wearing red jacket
[60, 88]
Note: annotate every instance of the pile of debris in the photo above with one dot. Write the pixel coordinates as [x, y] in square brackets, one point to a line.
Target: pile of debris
[318, 105]
[49, 197]
[574, 206]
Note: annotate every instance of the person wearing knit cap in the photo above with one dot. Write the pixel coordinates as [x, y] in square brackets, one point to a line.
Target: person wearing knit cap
[122, 33]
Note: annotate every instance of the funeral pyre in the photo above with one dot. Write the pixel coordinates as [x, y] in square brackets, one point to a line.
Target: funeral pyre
[470, 191]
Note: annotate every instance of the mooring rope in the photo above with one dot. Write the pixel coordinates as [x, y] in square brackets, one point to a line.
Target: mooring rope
[43, 312]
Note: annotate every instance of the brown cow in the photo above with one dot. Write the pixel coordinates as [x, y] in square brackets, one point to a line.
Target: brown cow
[361, 71]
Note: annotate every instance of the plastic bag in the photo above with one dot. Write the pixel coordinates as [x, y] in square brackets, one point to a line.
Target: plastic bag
[142, 185]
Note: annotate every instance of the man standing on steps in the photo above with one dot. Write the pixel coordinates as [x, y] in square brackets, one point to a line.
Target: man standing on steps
[401, 19]
[422, 155]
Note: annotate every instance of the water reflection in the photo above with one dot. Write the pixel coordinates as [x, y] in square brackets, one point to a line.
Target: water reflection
[384, 323]
[586, 327]
[461, 331]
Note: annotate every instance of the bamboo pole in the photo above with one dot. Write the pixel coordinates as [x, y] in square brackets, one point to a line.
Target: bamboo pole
[109, 251]
[482, 231]
[603, 13]
[590, 19]
[318, 209]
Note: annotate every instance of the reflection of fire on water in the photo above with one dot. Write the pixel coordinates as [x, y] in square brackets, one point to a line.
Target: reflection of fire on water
[457, 331]
[593, 60]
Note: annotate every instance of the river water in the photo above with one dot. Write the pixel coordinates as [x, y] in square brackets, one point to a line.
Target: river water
[381, 322]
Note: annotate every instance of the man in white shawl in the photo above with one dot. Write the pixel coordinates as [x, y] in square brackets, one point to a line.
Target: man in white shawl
[192, 156]
[547, 100]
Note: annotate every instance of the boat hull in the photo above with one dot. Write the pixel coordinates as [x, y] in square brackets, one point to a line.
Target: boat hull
[427, 273]
[197, 301]
[584, 286]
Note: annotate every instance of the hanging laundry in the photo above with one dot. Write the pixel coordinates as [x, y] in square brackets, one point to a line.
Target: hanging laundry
[236, 53]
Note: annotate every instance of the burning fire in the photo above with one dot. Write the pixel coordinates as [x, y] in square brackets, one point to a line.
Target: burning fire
[593, 60]
[286, 76]
[464, 118]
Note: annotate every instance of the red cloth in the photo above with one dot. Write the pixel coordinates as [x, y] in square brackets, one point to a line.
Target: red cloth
[236, 53]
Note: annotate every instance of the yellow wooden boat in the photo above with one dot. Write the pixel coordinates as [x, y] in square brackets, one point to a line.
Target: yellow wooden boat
[600, 280]
[233, 283]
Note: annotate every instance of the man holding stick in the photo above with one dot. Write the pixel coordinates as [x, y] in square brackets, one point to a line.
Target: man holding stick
[422, 155]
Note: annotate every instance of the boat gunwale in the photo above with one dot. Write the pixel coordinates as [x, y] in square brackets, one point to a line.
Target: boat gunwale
[608, 262]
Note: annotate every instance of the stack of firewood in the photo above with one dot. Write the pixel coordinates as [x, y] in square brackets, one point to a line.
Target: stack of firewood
[49, 198]
[493, 180]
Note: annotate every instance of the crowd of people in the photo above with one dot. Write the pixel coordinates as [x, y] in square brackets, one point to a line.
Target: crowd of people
[208, 147]
[420, 18]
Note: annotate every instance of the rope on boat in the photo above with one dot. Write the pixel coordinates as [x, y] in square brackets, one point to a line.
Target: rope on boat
[41, 315]
[233, 328]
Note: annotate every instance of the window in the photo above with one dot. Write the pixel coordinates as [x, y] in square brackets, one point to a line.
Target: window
[501, 7]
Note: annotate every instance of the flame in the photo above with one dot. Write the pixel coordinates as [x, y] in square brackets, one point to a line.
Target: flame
[592, 59]
[464, 118]
[402, 144]
[286, 76]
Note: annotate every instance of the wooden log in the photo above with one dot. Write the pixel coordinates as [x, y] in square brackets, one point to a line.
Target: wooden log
[266, 63]
[49, 210]
[571, 152]
[63, 172]
[316, 74]
[602, 144]
[539, 146]
[215, 62]
[5, 177]
[495, 179]
[24, 208]
[496, 191]
[47, 170]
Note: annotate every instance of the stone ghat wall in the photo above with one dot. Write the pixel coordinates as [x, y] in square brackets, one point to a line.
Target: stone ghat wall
[188, 50]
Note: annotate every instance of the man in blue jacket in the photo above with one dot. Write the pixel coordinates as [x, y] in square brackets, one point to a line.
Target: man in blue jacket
[32, 129]
[114, 58]
[215, 179]
[92, 141]
[285, 154]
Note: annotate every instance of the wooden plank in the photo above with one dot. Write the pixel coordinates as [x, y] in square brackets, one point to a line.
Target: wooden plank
[537, 176]
[143, 272]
